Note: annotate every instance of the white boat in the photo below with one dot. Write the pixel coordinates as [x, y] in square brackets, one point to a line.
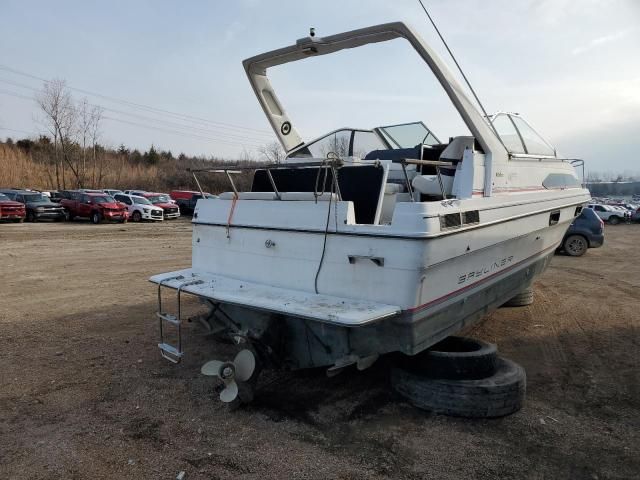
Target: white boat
[369, 241]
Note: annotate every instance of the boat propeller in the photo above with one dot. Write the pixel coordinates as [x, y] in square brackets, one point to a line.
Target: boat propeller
[240, 369]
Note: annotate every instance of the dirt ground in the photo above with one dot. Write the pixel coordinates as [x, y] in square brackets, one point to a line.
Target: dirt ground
[84, 393]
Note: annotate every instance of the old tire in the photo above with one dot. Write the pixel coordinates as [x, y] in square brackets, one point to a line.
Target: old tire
[575, 245]
[496, 396]
[456, 358]
[96, 218]
[523, 299]
[614, 220]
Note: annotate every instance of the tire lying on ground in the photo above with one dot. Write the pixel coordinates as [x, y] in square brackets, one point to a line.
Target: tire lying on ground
[495, 396]
[456, 358]
[523, 299]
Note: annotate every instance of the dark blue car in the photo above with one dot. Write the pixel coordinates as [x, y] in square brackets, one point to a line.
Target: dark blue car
[586, 231]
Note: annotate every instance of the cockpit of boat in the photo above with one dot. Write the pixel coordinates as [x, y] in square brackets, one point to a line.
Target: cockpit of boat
[380, 167]
[418, 166]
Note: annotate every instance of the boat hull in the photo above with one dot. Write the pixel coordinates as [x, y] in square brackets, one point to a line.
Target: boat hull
[445, 284]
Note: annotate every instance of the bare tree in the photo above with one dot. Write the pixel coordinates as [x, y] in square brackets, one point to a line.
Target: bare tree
[56, 103]
[273, 152]
[97, 113]
[84, 127]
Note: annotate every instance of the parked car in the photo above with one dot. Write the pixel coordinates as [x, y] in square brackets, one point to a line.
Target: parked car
[10, 210]
[112, 192]
[94, 206]
[55, 196]
[37, 205]
[586, 231]
[609, 214]
[137, 193]
[140, 208]
[164, 201]
[187, 199]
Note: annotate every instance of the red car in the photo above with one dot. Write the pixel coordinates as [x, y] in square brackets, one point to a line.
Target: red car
[163, 200]
[10, 210]
[94, 206]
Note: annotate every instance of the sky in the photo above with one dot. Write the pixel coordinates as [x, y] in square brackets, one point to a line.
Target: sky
[170, 74]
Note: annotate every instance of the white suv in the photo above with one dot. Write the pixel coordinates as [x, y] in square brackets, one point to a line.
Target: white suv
[610, 214]
[140, 208]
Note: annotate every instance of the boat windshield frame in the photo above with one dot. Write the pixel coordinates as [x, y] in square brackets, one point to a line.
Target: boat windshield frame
[383, 130]
[300, 151]
[523, 146]
[256, 69]
[386, 139]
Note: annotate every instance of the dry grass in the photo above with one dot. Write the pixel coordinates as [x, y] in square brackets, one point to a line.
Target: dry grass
[18, 169]
[36, 169]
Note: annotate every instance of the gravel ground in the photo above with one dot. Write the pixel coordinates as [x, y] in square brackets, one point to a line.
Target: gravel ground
[85, 395]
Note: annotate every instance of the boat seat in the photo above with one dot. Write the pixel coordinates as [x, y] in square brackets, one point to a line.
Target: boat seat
[429, 184]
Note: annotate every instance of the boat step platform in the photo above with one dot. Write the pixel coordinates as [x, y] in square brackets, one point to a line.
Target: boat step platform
[323, 308]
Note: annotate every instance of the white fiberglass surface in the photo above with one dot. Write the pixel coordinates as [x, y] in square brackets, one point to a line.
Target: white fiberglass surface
[346, 88]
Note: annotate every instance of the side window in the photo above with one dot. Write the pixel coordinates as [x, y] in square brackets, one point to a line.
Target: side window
[365, 142]
[508, 133]
[599, 208]
[337, 143]
[534, 143]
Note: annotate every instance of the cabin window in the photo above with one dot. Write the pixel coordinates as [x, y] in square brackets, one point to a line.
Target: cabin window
[560, 180]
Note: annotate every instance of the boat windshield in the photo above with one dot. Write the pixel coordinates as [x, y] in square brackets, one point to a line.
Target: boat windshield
[344, 143]
[518, 136]
[408, 135]
[348, 142]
